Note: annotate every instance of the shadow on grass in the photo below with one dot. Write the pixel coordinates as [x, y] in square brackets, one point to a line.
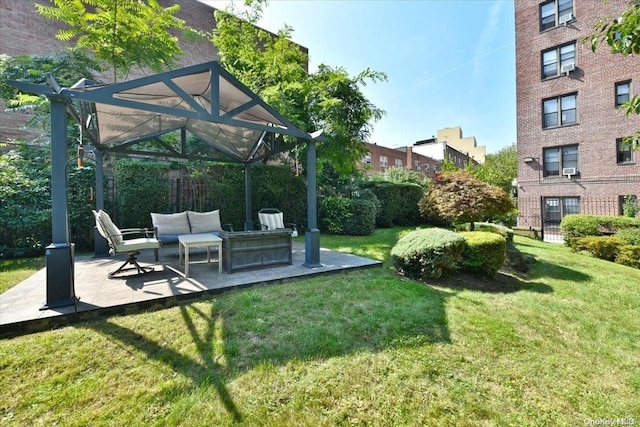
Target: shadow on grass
[207, 371]
[305, 320]
[506, 280]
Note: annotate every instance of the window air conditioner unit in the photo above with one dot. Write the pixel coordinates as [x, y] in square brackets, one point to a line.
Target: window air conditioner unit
[567, 68]
[565, 19]
[569, 172]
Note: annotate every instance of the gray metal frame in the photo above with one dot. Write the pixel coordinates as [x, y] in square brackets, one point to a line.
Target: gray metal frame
[271, 141]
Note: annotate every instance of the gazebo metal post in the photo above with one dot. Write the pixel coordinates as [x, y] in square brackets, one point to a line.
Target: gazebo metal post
[100, 244]
[59, 254]
[248, 222]
[312, 233]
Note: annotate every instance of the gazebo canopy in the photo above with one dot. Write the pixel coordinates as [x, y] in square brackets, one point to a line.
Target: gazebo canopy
[235, 124]
[205, 100]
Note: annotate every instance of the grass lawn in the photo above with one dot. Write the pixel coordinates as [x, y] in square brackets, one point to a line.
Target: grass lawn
[557, 345]
[15, 271]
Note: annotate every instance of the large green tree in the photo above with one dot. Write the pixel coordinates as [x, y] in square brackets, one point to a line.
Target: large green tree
[120, 33]
[622, 35]
[276, 69]
[499, 168]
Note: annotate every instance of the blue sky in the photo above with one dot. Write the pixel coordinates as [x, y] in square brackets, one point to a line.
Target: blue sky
[449, 62]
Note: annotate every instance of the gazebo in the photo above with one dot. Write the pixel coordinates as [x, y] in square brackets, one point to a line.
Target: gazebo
[205, 100]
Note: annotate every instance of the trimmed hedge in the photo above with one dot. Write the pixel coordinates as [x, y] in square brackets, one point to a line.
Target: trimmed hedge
[629, 235]
[490, 227]
[629, 255]
[603, 247]
[428, 253]
[399, 203]
[484, 252]
[582, 225]
[353, 217]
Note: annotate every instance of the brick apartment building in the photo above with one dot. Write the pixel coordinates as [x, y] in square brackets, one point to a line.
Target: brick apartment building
[25, 32]
[380, 158]
[570, 156]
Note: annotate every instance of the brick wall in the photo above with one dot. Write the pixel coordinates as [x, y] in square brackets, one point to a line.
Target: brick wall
[406, 155]
[25, 32]
[599, 123]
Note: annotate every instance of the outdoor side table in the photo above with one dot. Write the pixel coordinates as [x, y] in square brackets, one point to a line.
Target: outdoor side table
[187, 241]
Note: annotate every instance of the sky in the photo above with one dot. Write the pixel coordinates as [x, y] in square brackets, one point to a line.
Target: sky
[448, 62]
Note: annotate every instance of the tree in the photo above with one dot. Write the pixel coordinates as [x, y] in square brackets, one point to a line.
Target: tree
[622, 35]
[459, 197]
[499, 169]
[120, 33]
[275, 68]
[69, 66]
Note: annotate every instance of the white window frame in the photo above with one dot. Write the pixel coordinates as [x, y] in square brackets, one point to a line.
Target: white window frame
[558, 56]
[561, 109]
[551, 11]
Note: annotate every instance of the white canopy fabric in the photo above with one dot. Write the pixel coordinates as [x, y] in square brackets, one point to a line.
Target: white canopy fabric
[204, 100]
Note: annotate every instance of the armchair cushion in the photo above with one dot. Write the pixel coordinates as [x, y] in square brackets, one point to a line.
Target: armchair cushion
[177, 223]
[113, 232]
[204, 222]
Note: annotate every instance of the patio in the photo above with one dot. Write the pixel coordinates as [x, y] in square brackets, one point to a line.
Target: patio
[20, 306]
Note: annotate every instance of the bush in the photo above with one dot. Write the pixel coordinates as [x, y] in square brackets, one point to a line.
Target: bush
[582, 225]
[629, 255]
[603, 247]
[484, 252]
[355, 217]
[629, 235]
[428, 253]
[142, 188]
[399, 203]
[505, 232]
[25, 197]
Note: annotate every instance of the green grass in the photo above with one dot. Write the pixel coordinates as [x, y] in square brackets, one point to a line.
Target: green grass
[555, 346]
[15, 271]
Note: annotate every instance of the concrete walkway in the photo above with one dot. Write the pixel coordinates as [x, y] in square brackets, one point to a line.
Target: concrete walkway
[21, 306]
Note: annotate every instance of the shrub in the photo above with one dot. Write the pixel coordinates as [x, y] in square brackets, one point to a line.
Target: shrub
[629, 255]
[603, 247]
[399, 202]
[582, 225]
[428, 253]
[505, 232]
[25, 197]
[629, 235]
[142, 187]
[342, 215]
[334, 212]
[484, 252]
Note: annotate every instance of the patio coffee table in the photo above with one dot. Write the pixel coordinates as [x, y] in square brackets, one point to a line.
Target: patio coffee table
[207, 240]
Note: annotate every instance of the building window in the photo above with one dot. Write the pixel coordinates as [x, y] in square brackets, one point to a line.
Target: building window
[558, 158]
[554, 59]
[399, 163]
[427, 168]
[559, 111]
[625, 155]
[367, 159]
[384, 161]
[418, 165]
[554, 13]
[623, 89]
[556, 208]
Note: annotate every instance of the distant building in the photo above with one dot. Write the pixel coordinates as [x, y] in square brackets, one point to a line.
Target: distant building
[569, 125]
[379, 159]
[450, 145]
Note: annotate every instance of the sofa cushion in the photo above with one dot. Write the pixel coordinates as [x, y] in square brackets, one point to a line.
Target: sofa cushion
[204, 222]
[177, 223]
